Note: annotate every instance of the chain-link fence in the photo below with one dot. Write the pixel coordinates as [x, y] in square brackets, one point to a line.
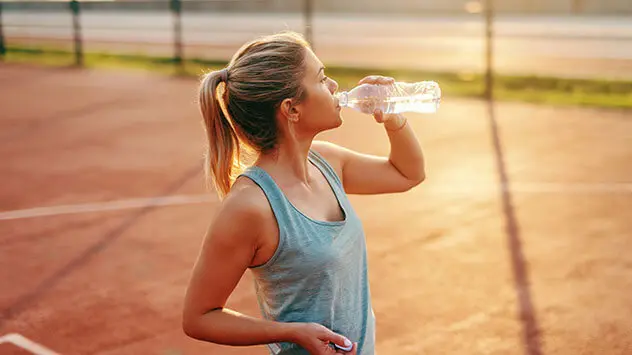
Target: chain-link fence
[562, 38]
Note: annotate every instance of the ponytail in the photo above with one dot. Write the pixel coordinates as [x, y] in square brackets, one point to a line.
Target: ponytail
[240, 115]
[223, 153]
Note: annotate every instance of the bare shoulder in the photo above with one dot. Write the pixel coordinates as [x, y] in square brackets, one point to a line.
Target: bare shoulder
[243, 216]
[246, 198]
[327, 149]
[333, 153]
[230, 246]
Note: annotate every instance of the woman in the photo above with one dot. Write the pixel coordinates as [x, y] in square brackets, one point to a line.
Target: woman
[286, 217]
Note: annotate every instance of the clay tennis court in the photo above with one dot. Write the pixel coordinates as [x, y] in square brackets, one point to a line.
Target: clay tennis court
[517, 243]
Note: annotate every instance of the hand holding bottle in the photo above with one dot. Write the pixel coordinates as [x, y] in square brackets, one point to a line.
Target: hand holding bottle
[368, 106]
[384, 93]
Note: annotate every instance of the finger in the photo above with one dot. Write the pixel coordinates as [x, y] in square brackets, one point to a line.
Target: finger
[385, 80]
[346, 350]
[371, 79]
[338, 339]
[378, 115]
[353, 351]
[377, 79]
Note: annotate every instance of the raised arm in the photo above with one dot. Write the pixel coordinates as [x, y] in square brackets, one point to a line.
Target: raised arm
[403, 169]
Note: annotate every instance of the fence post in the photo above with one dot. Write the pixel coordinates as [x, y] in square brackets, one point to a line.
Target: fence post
[308, 21]
[489, 54]
[176, 10]
[76, 27]
[3, 49]
[577, 7]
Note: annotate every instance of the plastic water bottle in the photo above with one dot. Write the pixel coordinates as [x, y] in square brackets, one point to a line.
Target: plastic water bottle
[422, 97]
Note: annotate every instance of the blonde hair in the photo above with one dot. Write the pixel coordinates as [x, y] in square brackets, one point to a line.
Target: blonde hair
[239, 116]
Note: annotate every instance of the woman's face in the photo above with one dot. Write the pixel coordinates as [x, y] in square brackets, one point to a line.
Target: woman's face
[319, 111]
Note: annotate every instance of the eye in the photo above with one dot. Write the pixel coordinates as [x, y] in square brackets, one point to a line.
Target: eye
[324, 79]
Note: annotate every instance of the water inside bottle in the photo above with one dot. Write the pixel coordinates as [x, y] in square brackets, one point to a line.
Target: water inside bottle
[394, 100]
[421, 103]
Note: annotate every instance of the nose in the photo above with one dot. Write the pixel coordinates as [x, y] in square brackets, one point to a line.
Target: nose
[333, 85]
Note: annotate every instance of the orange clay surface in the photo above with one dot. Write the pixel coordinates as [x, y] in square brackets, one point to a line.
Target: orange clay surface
[518, 242]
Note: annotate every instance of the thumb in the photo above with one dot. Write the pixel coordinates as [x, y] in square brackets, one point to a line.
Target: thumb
[378, 115]
[339, 340]
[352, 351]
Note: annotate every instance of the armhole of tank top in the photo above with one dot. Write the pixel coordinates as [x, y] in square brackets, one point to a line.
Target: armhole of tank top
[277, 251]
[322, 162]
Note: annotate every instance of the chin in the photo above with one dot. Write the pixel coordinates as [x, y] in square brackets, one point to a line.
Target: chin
[334, 124]
[338, 122]
[334, 121]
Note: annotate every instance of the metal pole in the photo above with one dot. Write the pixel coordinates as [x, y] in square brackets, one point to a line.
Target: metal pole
[489, 55]
[3, 49]
[308, 22]
[577, 6]
[176, 9]
[76, 26]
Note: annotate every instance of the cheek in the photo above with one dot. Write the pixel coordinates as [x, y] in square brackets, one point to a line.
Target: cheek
[320, 106]
[326, 97]
[321, 100]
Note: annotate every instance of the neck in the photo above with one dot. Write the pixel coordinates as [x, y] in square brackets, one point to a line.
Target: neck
[288, 162]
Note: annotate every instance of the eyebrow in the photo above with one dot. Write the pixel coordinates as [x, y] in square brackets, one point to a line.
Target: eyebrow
[319, 70]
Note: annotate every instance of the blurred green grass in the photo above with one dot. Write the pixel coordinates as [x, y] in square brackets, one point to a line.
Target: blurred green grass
[554, 91]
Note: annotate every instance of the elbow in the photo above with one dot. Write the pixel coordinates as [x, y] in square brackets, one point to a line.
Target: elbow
[418, 179]
[189, 328]
[197, 326]
[421, 178]
[193, 331]
[415, 180]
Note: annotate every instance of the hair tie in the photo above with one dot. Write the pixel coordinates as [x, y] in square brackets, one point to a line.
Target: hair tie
[223, 74]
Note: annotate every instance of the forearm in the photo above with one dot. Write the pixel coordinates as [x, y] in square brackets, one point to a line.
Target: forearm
[406, 154]
[227, 327]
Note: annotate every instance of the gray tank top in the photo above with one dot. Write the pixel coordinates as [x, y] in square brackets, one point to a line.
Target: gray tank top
[319, 271]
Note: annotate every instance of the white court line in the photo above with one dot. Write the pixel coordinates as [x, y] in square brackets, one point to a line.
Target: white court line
[26, 344]
[471, 188]
[536, 187]
[105, 206]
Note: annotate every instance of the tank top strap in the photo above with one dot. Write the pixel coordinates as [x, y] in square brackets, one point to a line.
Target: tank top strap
[327, 170]
[282, 208]
[279, 204]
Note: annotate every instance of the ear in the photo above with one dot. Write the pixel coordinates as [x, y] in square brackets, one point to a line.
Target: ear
[289, 110]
